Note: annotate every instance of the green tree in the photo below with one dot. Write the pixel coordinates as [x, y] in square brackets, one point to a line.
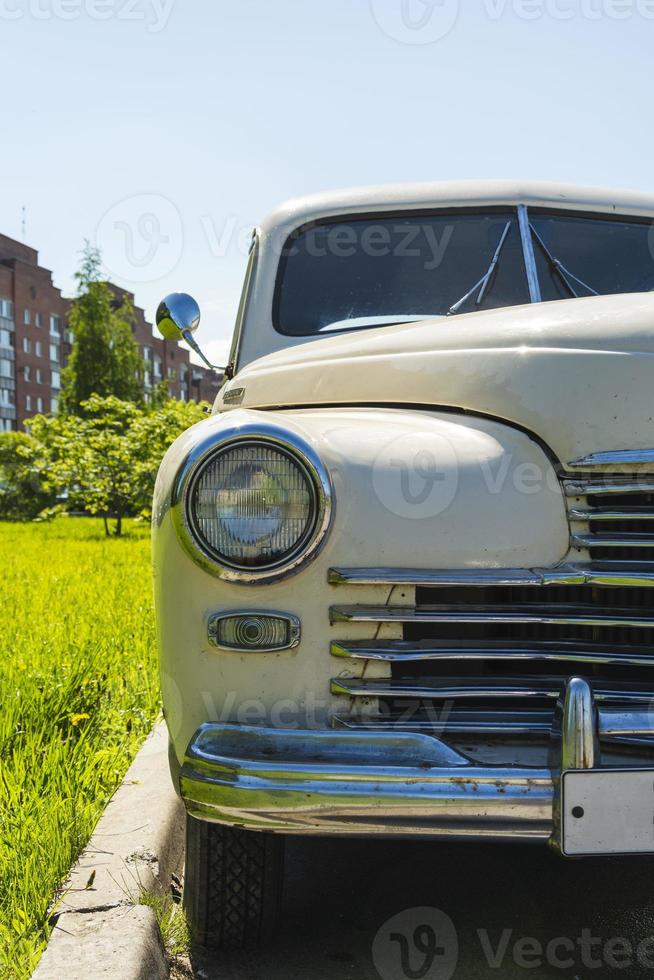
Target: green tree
[151, 435]
[105, 460]
[105, 358]
[24, 491]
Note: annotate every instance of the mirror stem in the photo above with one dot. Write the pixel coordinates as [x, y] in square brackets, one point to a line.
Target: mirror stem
[190, 340]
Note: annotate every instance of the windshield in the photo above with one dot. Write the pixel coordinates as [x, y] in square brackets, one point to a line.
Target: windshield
[381, 269]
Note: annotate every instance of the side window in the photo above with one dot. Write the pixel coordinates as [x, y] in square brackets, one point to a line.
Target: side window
[242, 306]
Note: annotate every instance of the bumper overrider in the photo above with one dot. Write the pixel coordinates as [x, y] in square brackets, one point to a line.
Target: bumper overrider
[408, 784]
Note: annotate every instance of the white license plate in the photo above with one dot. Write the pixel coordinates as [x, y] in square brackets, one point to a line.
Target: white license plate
[607, 812]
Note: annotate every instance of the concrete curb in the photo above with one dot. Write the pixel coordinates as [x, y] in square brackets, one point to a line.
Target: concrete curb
[137, 845]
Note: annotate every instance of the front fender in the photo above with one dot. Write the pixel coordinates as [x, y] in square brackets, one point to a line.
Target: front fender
[412, 489]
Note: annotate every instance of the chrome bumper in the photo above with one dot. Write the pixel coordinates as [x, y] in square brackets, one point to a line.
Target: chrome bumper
[388, 783]
[363, 783]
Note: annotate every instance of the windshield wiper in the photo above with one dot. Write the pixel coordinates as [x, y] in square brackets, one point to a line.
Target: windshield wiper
[483, 283]
[557, 266]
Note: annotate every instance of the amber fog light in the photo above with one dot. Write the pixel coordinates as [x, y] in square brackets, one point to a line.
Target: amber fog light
[254, 631]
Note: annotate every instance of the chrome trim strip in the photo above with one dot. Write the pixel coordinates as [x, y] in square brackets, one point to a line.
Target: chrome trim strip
[528, 254]
[406, 651]
[591, 573]
[630, 574]
[447, 689]
[612, 723]
[600, 540]
[594, 514]
[551, 616]
[616, 724]
[347, 782]
[527, 723]
[226, 430]
[292, 622]
[418, 576]
[619, 457]
[595, 488]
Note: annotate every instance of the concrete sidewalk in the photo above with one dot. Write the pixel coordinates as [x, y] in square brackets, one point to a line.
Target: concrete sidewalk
[137, 845]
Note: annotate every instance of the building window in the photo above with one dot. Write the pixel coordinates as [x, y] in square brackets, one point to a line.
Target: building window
[69, 337]
[55, 323]
[6, 338]
[157, 368]
[6, 308]
[38, 347]
[56, 382]
[5, 368]
[39, 376]
[28, 403]
[5, 425]
[39, 404]
[54, 353]
[38, 320]
[26, 372]
[5, 398]
[54, 405]
[27, 345]
[147, 353]
[26, 317]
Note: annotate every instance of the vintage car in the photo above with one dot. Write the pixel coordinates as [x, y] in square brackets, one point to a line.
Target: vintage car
[404, 570]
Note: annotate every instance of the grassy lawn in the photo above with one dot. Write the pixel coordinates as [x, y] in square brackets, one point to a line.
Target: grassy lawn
[78, 694]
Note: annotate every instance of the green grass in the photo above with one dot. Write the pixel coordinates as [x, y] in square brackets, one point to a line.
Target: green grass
[171, 921]
[78, 694]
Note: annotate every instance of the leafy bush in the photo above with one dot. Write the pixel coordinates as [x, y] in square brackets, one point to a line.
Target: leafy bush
[23, 477]
[103, 462]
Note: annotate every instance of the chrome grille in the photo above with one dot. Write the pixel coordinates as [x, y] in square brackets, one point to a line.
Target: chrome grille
[612, 518]
[487, 652]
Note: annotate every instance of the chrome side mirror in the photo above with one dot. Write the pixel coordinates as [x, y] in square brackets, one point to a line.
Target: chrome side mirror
[178, 317]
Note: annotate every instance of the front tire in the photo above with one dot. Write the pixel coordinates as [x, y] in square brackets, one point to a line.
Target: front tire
[232, 885]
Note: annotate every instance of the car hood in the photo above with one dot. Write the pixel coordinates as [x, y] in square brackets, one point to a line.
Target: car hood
[579, 374]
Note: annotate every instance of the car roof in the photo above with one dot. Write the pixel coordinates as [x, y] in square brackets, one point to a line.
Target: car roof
[453, 194]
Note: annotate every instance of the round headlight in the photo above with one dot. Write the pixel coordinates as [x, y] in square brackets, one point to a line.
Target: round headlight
[255, 505]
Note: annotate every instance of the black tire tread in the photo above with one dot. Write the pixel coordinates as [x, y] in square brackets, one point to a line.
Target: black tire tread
[232, 888]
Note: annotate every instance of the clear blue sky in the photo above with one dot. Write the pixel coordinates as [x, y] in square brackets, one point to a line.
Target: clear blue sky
[167, 127]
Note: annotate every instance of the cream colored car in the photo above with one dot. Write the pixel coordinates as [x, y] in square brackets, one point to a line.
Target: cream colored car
[404, 571]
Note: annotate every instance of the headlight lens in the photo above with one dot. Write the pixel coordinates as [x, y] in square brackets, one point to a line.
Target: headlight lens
[253, 505]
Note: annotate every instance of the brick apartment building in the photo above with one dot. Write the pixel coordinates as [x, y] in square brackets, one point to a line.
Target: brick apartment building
[35, 343]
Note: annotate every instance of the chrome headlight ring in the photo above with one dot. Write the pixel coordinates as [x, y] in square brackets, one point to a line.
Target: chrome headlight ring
[275, 437]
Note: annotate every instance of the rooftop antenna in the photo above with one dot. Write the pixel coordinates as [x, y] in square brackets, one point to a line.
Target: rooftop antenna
[24, 222]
